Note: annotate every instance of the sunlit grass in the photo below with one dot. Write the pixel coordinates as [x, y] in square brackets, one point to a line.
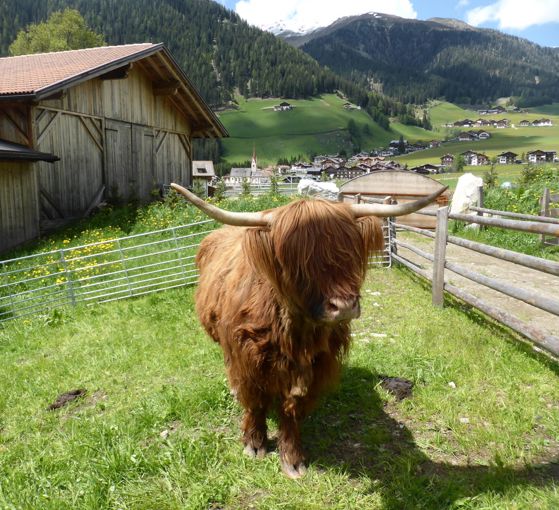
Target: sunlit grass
[158, 428]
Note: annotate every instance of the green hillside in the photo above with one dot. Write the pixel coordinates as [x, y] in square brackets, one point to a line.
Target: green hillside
[518, 140]
[318, 125]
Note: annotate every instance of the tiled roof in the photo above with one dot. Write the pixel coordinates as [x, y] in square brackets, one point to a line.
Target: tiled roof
[28, 74]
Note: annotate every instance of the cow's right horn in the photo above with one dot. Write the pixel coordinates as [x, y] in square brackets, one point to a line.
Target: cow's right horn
[238, 219]
[385, 210]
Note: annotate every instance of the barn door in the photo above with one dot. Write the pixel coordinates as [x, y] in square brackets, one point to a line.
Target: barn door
[129, 161]
[71, 187]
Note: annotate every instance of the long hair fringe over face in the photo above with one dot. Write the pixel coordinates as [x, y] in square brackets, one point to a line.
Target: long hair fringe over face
[313, 251]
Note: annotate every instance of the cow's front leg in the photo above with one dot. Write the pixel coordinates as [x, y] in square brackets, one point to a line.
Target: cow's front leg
[292, 458]
[254, 432]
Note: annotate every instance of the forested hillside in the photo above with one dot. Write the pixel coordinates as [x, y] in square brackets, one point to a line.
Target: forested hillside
[218, 50]
[415, 60]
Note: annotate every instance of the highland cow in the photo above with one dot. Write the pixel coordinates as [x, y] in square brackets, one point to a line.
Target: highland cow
[278, 296]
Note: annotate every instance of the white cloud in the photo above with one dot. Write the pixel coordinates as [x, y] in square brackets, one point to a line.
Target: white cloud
[516, 14]
[462, 3]
[305, 14]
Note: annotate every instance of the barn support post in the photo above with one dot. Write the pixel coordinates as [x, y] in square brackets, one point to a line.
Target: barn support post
[441, 236]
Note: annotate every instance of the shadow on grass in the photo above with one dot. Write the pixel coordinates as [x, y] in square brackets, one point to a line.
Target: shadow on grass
[352, 432]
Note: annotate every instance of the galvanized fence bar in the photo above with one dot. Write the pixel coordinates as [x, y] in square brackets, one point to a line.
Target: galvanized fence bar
[103, 271]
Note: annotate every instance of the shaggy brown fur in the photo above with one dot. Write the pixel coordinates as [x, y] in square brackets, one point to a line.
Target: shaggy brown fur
[263, 296]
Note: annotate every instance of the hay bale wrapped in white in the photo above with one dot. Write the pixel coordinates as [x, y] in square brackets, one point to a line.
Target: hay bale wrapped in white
[466, 195]
[322, 189]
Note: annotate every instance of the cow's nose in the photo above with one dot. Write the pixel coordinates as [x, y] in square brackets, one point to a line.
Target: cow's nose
[339, 309]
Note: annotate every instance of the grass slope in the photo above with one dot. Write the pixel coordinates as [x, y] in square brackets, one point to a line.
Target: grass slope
[158, 428]
[317, 125]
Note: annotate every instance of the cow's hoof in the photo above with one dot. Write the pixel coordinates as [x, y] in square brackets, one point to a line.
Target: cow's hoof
[294, 471]
[255, 453]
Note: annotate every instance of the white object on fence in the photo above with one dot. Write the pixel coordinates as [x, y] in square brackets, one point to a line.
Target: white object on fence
[466, 194]
[310, 187]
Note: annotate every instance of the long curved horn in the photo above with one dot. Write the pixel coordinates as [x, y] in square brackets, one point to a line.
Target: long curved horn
[385, 210]
[238, 219]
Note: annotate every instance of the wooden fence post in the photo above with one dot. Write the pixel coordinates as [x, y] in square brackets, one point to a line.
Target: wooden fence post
[441, 235]
[481, 202]
[545, 208]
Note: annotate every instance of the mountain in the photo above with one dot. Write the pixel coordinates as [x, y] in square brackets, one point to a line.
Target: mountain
[414, 60]
[221, 53]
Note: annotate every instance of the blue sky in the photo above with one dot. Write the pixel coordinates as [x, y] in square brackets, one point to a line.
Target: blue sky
[536, 20]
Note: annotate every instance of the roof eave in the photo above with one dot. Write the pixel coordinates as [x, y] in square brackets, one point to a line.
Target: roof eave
[95, 72]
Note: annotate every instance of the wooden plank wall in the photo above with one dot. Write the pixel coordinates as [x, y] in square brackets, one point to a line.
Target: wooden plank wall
[70, 185]
[144, 143]
[19, 210]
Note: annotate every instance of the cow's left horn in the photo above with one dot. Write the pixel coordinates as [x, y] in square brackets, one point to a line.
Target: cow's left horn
[238, 219]
[385, 210]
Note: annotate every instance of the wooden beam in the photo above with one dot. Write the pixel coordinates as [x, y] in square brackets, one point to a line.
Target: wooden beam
[21, 131]
[166, 88]
[90, 132]
[120, 73]
[48, 127]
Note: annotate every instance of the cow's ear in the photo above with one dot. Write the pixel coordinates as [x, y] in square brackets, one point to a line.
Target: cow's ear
[257, 248]
[371, 232]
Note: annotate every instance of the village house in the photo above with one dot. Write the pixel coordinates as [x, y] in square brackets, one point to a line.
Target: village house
[283, 107]
[110, 123]
[481, 135]
[502, 123]
[426, 169]
[542, 123]
[524, 123]
[203, 173]
[492, 111]
[464, 123]
[539, 156]
[466, 136]
[506, 158]
[447, 160]
[472, 158]
[483, 123]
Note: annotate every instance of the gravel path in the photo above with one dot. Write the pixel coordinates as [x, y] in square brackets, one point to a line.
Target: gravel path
[513, 274]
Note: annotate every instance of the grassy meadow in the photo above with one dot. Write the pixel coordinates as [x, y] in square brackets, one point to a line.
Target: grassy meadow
[317, 125]
[158, 428]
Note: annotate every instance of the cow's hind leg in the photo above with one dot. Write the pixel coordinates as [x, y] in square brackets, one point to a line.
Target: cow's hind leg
[254, 432]
[292, 458]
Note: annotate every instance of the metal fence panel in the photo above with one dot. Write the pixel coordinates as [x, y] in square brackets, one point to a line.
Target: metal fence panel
[112, 270]
[100, 272]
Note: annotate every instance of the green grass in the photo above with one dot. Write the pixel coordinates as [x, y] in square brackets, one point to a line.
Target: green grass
[316, 125]
[158, 428]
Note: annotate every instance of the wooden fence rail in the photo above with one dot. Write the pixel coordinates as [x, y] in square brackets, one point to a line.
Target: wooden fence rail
[539, 336]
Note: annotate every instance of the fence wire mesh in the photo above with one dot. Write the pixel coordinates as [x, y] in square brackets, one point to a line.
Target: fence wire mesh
[112, 270]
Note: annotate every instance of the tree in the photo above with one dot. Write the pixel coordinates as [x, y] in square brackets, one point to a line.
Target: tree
[401, 145]
[65, 30]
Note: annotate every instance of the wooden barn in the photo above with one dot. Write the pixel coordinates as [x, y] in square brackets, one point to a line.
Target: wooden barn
[113, 123]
